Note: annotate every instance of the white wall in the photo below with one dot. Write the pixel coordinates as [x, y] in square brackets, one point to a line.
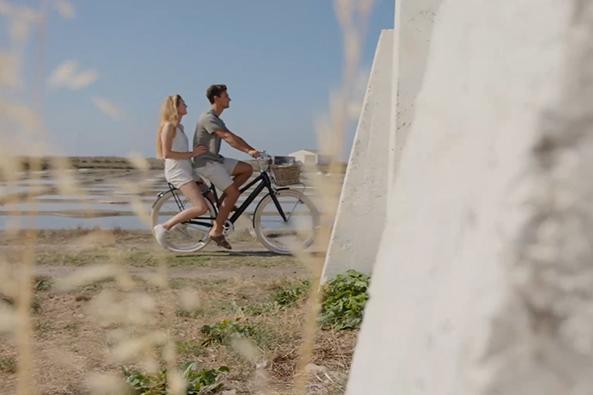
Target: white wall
[483, 282]
[410, 60]
[361, 211]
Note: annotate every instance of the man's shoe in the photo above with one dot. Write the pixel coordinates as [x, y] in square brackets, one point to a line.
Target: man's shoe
[221, 241]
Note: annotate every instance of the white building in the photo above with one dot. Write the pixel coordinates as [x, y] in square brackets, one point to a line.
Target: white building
[310, 157]
[305, 156]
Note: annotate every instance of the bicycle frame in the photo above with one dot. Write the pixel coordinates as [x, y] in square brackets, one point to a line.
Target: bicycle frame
[264, 183]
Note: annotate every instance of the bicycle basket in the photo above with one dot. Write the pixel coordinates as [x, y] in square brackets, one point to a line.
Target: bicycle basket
[286, 174]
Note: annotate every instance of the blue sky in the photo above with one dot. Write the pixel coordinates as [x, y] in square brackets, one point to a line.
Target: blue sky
[280, 59]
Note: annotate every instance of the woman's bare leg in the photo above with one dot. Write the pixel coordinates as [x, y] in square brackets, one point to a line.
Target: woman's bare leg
[198, 202]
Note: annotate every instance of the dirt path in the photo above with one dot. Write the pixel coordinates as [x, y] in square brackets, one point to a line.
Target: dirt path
[256, 274]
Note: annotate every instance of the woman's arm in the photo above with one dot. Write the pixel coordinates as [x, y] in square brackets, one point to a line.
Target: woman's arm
[167, 135]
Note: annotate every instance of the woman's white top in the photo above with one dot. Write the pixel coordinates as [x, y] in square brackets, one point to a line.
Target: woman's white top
[179, 171]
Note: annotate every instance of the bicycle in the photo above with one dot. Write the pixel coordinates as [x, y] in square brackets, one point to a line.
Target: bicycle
[284, 220]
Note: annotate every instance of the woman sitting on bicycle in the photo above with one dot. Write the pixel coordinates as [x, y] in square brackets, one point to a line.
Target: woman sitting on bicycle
[172, 145]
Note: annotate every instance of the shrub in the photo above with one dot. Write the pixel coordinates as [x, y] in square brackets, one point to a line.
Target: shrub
[344, 299]
[223, 331]
[282, 298]
[204, 381]
[8, 365]
[42, 283]
[189, 348]
[261, 308]
[289, 296]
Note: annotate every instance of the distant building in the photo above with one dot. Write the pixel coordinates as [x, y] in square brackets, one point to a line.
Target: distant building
[310, 157]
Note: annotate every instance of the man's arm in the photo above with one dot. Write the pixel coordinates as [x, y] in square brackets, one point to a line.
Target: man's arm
[237, 142]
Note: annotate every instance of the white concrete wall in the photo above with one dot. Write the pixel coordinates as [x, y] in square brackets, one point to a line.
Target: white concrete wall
[361, 211]
[483, 282]
[410, 60]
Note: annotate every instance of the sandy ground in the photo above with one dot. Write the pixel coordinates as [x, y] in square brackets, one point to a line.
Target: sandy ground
[71, 342]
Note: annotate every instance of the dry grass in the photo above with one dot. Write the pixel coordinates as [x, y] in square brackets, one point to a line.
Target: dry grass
[70, 344]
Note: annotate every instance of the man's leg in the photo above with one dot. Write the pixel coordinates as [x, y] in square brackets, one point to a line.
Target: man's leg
[241, 172]
[221, 178]
[231, 195]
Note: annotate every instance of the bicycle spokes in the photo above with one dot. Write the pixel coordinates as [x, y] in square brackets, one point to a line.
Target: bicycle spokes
[294, 231]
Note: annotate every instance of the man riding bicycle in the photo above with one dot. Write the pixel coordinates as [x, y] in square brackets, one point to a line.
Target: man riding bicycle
[225, 173]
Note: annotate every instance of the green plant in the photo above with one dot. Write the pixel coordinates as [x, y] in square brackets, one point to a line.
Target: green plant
[223, 331]
[344, 299]
[35, 305]
[72, 326]
[42, 283]
[43, 327]
[283, 297]
[8, 365]
[189, 348]
[203, 381]
[189, 314]
[260, 308]
[146, 384]
[290, 295]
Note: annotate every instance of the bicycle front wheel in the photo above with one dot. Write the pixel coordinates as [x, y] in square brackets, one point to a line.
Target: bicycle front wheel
[185, 237]
[285, 236]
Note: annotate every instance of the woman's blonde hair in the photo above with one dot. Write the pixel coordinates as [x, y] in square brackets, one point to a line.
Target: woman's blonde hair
[169, 114]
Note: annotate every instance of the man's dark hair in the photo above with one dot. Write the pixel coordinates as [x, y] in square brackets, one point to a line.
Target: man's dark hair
[214, 90]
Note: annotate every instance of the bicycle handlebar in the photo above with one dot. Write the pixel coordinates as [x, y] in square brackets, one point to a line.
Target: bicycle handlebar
[263, 161]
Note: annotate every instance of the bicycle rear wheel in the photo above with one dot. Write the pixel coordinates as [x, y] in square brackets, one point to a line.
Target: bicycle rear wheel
[297, 232]
[185, 237]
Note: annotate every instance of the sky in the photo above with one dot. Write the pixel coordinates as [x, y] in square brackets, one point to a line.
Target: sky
[110, 63]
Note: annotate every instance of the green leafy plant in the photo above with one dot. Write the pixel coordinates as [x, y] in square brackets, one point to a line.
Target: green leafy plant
[283, 297]
[289, 296]
[42, 283]
[146, 384]
[260, 308]
[189, 314]
[7, 365]
[344, 299]
[190, 348]
[223, 331]
[199, 382]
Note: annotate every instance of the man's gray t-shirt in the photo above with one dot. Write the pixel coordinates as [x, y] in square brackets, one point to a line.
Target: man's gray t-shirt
[208, 123]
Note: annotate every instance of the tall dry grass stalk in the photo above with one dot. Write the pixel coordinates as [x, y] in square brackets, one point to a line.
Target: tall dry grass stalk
[353, 16]
[128, 313]
[138, 335]
[18, 118]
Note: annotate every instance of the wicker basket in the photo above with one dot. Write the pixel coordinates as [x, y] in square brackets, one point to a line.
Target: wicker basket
[286, 174]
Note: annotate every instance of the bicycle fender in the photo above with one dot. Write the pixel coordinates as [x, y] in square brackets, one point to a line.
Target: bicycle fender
[160, 195]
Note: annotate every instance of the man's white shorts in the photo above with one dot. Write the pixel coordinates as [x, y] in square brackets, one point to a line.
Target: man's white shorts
[218, 173]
